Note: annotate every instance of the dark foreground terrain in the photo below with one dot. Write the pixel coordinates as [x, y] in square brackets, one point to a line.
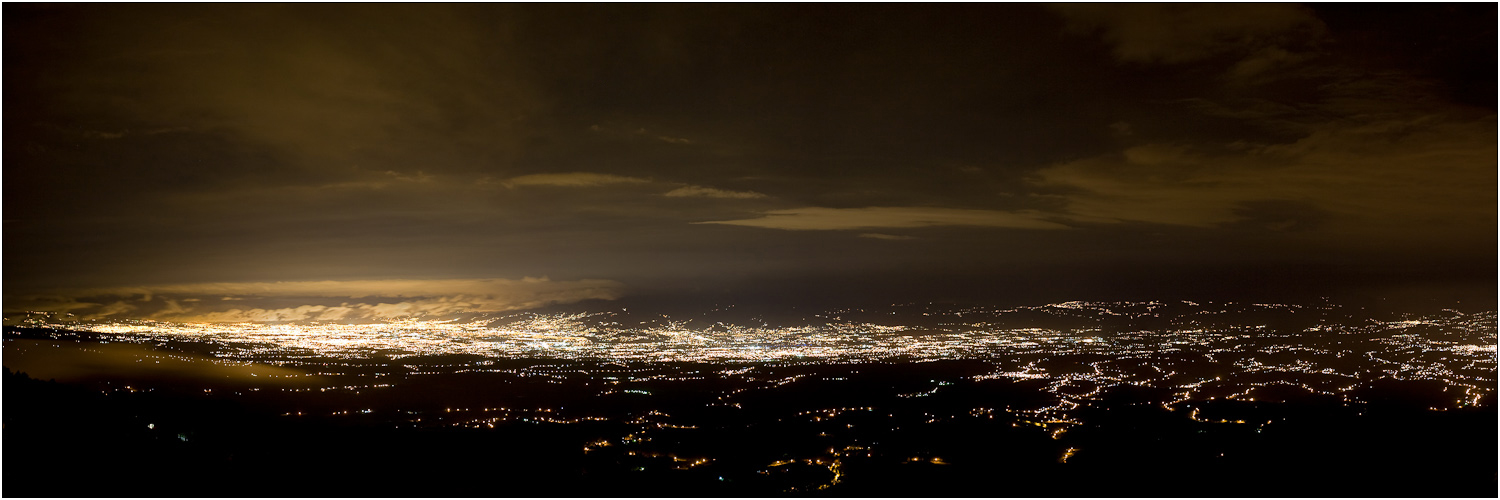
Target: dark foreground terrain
[65, 440]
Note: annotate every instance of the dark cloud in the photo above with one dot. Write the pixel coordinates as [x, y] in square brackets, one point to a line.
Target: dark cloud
[1280, 216]
[1180, 33]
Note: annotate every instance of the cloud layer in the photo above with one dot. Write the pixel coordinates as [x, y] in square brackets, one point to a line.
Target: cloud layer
[653, 145]
[1363, 168]
[334, 301]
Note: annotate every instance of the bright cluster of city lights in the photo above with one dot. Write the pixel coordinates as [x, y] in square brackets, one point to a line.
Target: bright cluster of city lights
[1401, 348]
[569, 337]
[1327, 358]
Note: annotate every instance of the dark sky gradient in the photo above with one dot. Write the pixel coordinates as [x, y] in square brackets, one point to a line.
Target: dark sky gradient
[168, 160]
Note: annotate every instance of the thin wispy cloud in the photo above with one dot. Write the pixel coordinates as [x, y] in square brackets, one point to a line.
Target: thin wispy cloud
[707, 192]
[571, 179]
[887, 237]
[820, 218]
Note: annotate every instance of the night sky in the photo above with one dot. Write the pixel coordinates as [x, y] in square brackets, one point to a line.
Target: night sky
[347, 162]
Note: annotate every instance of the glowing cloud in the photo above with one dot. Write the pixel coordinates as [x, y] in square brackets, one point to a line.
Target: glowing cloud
[357, 300]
